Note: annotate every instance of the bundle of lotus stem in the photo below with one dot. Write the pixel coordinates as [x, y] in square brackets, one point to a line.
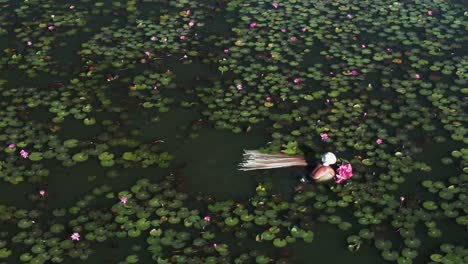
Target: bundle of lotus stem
[255, 160]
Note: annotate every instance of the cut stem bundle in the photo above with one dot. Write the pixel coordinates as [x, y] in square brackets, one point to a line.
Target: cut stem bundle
[255, 160]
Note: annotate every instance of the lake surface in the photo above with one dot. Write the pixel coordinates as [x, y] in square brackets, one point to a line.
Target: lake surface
[123, 124]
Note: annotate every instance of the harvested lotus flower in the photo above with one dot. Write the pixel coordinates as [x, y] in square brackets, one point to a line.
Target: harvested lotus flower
[344, 172]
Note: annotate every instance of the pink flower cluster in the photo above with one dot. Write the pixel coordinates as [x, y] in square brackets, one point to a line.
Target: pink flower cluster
[344, 172]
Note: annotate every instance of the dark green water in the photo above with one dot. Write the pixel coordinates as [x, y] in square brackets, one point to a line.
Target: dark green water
[186, 124]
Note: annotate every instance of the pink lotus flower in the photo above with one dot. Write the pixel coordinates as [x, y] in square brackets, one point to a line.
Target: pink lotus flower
[354, 72]
[283, 30]
[268, 99]
[183, 37]
[344, 172]
[12, 146]
[417, 76]
[42, 193]
[207, 218]
[239, 87]
[50, 28]
[75, 236]
[275, 5]
[324, 136]
[191, 24]
[72, 7]
[379, 141]
[253, 24]
[429, 12]
[226, 51]
[297, 80]
[24, 154]
[123, 200]
[188, 12]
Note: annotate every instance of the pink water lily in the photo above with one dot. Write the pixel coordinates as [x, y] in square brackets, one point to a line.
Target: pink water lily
[183, 37]
[349, 16]
[147, 54]
[268, 99]
[417, 76]
[402, 199]
[191, 24]
[24, 154]
[379, 141]
[344, 172]
[253, 24]
[353, 72]
[324, 136]
[207, 218]
[29, 43]
[188, 12]
[12, 146]
[275, 5]
[363, 46]
[303, 29]
[226, 51]
[75, 236]
[283, 30]
[50, 28]
[42, 193]
[239, 87]
[429, 12]
[71, 7]
[297, 80]
[123, 200]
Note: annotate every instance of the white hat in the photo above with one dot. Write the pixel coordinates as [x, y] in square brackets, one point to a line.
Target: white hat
[328, 159]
